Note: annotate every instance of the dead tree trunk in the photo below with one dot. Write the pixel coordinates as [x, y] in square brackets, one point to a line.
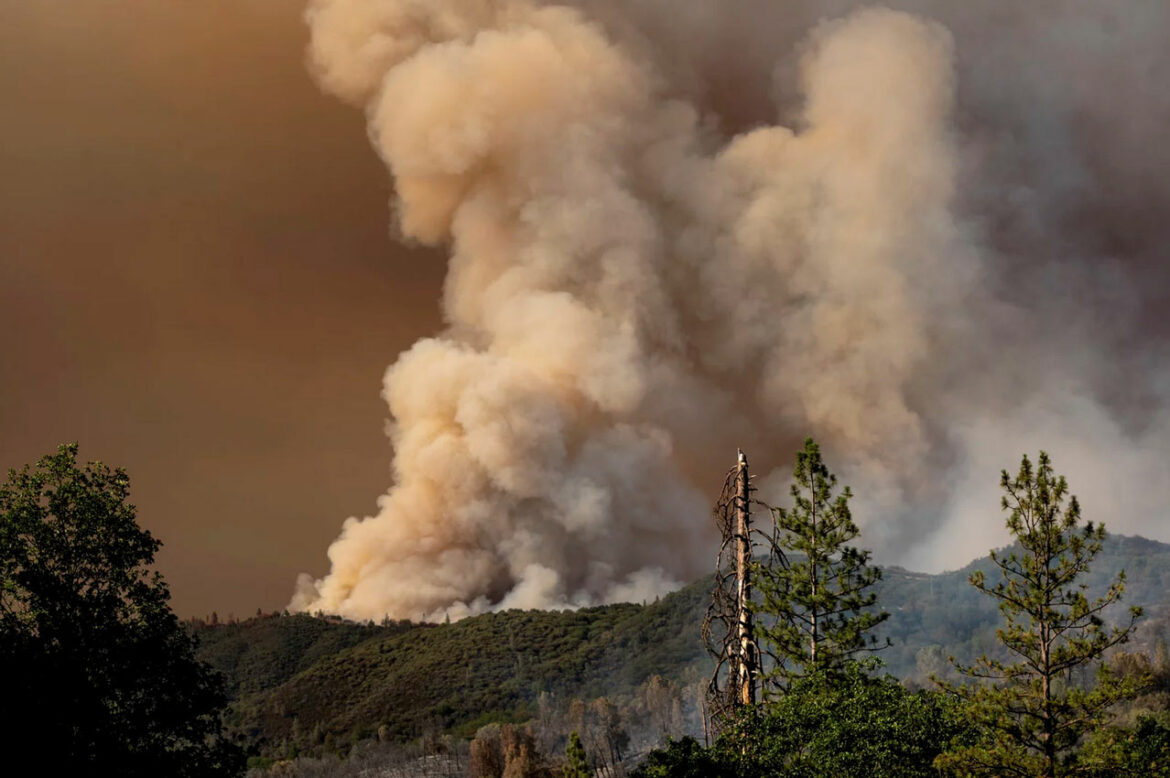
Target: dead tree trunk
[728, 629]
[748, 664]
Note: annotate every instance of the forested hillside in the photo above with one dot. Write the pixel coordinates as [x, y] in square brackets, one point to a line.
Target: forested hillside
[933, 617]
[311, 685]
[266, 651]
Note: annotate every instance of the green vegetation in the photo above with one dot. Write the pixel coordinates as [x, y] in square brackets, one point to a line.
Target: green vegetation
[817, 605]
[683, 758]
[1143, 749]
[266, 651]
[576, 765]
[842, 723]
[857, 726]
[829, 725]
[99, 676]
[1033, 718]
[1038, 715]
[461, 676]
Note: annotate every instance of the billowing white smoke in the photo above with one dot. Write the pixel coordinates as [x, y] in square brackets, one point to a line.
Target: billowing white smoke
[632, 293]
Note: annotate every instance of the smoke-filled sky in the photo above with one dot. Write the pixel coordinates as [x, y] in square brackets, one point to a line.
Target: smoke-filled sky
[932, 235]
[198, 281]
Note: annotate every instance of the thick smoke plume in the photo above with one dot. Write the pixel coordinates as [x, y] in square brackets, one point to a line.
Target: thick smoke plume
[933, 237]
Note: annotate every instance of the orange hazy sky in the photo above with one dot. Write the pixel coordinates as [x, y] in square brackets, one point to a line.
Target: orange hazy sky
[198, 282]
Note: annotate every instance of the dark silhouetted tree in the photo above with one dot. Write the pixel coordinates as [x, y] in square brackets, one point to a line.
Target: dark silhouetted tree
[99, 675]
[1033, 717]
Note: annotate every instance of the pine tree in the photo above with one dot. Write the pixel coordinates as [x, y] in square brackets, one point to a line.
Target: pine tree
[817, 601]
[1034, 719]
[576, 764]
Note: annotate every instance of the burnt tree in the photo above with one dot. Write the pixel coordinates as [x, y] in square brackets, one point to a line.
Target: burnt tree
[728, 629]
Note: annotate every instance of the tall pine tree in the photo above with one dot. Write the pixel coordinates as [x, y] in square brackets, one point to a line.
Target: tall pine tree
[1034, 719]
[817, 601]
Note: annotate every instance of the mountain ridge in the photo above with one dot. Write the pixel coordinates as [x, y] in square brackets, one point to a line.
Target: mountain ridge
[313, 684]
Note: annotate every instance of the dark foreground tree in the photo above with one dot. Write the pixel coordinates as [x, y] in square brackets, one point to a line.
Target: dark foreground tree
[1034, 718]
[817, 601]
[99, 676]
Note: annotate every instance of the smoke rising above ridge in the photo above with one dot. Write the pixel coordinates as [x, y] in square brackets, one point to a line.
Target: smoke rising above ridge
[932, 237]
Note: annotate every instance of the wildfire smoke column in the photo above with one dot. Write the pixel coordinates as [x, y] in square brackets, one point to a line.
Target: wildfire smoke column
[614, 284]
[635, 289]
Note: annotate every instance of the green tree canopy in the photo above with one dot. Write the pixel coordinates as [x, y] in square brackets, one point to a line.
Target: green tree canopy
[1143, 749]
[99, 675]
[843, 724]
[1034, 718]
[683, 758]
[817, 599]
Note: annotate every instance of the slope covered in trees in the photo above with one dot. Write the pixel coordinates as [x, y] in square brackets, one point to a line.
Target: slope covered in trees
[489, 668]
[318, 685]
[268, 650]
[936, 616]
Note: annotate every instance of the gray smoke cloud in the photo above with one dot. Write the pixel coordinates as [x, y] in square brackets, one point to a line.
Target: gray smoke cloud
[933, 236]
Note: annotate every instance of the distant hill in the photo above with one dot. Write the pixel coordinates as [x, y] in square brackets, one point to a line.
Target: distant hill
[946, 612]
[313, 682]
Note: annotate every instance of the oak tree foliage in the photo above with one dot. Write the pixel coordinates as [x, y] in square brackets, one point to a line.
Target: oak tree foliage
[99, 675]
[843, 724]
